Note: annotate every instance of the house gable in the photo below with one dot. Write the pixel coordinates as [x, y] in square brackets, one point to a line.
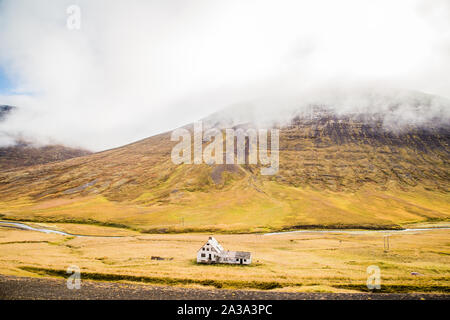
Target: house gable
[213, 252]
[212, 245]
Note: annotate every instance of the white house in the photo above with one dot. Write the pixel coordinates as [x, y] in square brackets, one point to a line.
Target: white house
[213, 252]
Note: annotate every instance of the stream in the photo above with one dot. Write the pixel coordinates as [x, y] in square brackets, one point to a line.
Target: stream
[24, 226]
[359, 231]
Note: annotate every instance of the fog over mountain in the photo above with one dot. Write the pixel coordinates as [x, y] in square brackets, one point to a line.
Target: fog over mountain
[396, 109]
[137, 68]
[5, 138]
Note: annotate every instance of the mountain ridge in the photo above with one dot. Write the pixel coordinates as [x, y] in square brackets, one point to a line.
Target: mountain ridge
[18, 152]
[335, 171]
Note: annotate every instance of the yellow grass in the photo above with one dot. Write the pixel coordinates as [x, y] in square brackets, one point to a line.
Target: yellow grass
[368, 181]
[295, 262]
[240, 208]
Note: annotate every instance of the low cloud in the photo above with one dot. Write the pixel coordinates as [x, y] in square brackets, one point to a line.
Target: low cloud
[395, 108]
[137, 68]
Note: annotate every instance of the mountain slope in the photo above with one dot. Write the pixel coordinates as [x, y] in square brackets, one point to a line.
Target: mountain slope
[23, 154]
[335, 171]
[5, 110]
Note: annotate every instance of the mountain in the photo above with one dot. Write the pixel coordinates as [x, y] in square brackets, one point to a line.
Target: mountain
[337, 170]
[4, 111]
[22, 153]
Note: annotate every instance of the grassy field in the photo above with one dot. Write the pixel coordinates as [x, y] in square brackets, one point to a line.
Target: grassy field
[287, 262]
[240, 208]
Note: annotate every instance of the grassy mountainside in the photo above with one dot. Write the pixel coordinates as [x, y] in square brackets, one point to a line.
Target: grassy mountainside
[342, 172]
[23, 155]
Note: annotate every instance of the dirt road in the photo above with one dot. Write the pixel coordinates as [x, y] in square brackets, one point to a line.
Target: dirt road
[14, 288]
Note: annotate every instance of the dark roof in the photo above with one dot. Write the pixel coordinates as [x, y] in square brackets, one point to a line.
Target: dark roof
[242, 255]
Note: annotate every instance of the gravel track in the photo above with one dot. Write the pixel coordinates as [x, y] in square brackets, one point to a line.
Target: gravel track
[18, 288]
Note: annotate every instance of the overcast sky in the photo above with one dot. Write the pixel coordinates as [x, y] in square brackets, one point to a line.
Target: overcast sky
[137, 68]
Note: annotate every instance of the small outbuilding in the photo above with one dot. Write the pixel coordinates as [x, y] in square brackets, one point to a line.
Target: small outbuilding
[213, 252]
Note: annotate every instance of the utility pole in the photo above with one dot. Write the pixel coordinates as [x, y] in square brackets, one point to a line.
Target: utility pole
[386, 242]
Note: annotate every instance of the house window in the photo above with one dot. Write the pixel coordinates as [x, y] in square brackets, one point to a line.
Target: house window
[203, 255]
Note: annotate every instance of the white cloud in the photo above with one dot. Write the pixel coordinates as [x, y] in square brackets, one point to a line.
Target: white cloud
[137, 68]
